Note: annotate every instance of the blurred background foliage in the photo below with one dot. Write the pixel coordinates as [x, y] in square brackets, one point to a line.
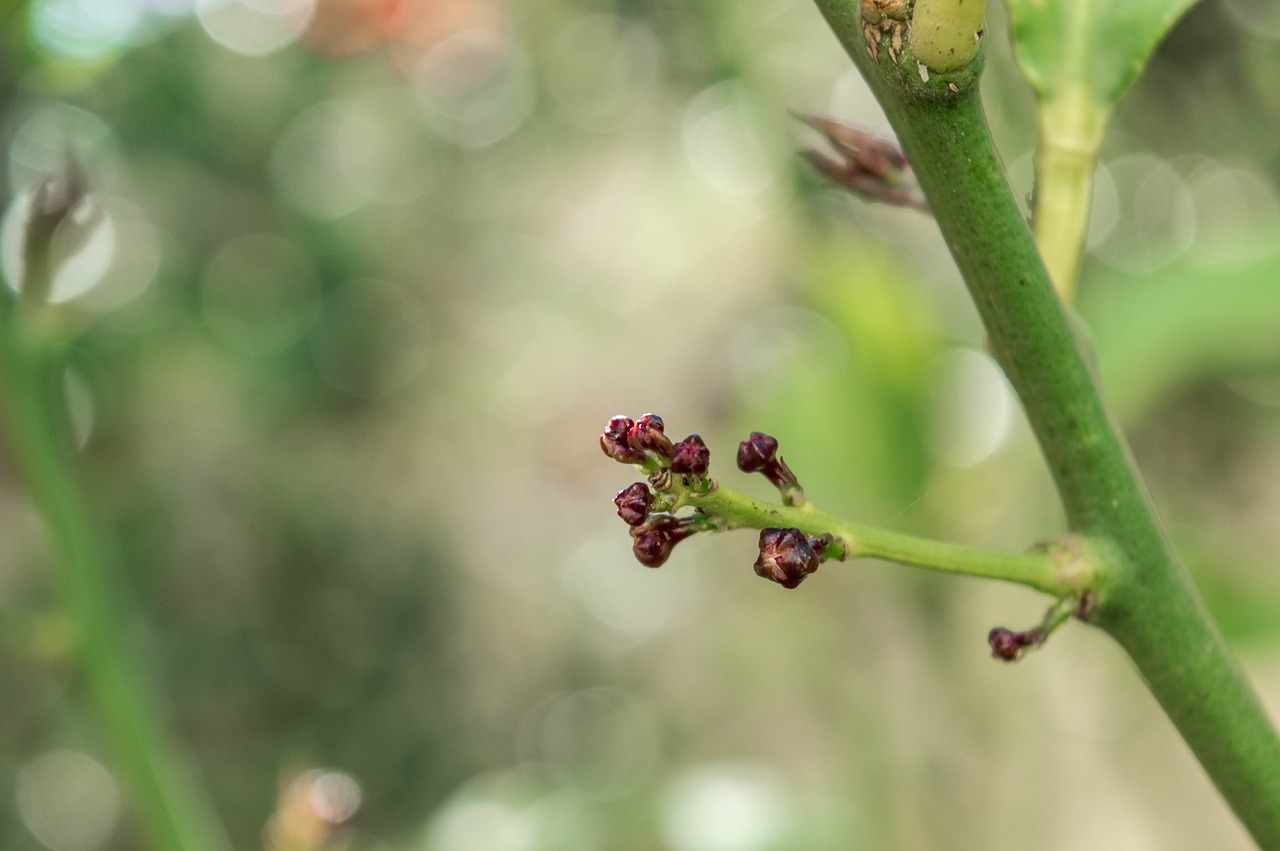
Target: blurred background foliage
[369, 279]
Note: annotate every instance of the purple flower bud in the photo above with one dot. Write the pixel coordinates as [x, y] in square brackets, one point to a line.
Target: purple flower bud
[616, 430]
[614, 442]
[655, 538]
[757, 452]
[866, 164]
[634, 503]
[1008, 645]
[647, 434]
[786, 556]
[690, 455]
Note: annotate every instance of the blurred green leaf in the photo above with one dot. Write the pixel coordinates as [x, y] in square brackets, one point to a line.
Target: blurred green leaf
[1079, 56]
[1200, 322]
[1092, 46]
[849, 399]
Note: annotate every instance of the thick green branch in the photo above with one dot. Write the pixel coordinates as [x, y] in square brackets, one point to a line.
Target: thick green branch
[1146, 601]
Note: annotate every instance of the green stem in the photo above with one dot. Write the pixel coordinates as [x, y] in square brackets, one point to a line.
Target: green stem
[1044, 571]
[1058, 614]
[174, 815]
[1145, 600]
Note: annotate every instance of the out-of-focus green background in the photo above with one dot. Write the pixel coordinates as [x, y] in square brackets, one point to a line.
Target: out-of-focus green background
[373, 275]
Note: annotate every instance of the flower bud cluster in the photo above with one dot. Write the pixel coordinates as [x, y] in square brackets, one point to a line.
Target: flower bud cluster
[644, 443]
[787, 556]
[759, 454]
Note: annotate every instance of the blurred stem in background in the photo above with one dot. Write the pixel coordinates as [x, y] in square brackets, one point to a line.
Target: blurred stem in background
[172, 811]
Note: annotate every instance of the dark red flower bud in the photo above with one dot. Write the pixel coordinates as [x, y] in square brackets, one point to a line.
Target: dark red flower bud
[647, 434]
[756, 452]
[866, 164]
[614, 442]
[616, 430]
[690, 455]
[1008, 645]
[759, 454]
[786, 556]
[634, 503]
[655, 538]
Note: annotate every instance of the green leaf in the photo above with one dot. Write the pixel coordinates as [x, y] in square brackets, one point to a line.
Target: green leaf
[1073, 47]
[1079, 56]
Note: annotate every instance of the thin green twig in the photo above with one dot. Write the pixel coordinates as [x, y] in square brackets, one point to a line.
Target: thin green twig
[1041, 570]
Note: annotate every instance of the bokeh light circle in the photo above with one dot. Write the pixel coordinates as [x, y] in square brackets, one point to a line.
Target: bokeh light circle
[255, 27]
[68, 801]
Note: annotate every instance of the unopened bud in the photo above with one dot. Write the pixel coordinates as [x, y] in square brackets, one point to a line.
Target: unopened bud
[61, 216]
[759, 454]
[1008, 645]
[786, 556]
[655, 538]
[756, 452]
[647, 435]
[866, 164]
[614, 442]
[634, 502]
[690, 455]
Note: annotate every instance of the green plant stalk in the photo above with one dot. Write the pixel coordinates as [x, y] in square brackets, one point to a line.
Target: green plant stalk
[1145, 599]
[1071, 129]
[172, 812]
[1039, 570]
[1057, 615]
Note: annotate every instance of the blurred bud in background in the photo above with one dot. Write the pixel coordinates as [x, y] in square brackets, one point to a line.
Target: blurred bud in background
[312, 811]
